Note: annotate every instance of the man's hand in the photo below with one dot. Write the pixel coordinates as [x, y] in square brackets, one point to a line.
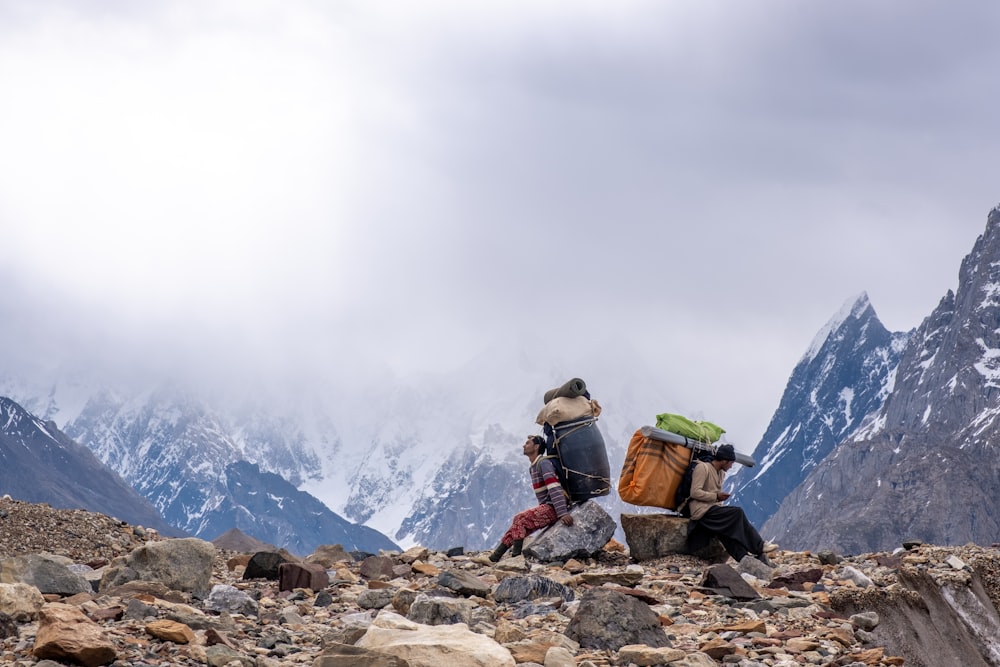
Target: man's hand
[722, 495]
[566, 519]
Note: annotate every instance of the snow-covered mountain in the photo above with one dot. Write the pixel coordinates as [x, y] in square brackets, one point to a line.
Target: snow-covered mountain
[923, 465]
[844, 376]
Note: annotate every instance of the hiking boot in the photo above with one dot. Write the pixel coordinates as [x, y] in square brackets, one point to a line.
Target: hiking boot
[763, 559]
[498, 552]
[518, 545]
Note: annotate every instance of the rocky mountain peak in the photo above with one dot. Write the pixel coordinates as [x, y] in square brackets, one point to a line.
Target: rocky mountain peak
[843, 378]
[916, 467]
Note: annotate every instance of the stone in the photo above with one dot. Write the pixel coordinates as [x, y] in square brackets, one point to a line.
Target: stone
[182, 564]
[342, 655]
[376, 598]
[859, 578]
[592, 528]
[796, 580]
[433, 646]
[264, 565]
[231, 599]
[866, 620]
[557, 656]
[652, 536]
[220, 655]
[955, 562]
[302, 575]
[8, 626]
[49, 574]
[750, 565]
[647, 656]
[829, 558]
[430, 610]
[463, 583]
[170, 631]
[413, 554]
[328, 555]
[531, 587]
[609, 620]
[22, 602]
[65, 634]
[377, 567]
[726, 581]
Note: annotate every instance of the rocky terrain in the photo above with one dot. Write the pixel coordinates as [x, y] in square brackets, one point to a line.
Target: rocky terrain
[919, 606]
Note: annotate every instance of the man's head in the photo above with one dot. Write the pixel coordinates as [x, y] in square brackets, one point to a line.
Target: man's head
[534, 445]
[726, 455]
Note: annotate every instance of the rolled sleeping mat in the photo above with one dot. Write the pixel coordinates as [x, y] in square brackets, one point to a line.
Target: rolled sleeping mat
[667, 436]
[584, 458]
[569, 389]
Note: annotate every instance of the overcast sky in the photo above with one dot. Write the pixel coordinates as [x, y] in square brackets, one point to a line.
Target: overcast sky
[294, 183]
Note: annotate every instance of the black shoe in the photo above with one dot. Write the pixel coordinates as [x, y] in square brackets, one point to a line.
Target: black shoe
[518, 545]
[763, 559]
[498, 552]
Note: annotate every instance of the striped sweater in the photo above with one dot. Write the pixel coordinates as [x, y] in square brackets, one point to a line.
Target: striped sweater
[546, 485]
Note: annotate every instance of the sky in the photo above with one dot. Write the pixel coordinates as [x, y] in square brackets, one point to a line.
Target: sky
[317, 188]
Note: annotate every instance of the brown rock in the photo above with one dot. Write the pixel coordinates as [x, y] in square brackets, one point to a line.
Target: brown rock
[302, 575]
[170, 631]
[65, 634]
[745, 627]
[717, 649]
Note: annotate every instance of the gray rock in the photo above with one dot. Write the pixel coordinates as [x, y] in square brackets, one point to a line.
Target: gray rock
[183, 564]
[47, 573]
[651, 536]
[592, 528]
[343, 655]
[867, 620]
[231, 599]
[608, 620]
[441, 611]
[531, 587]
[377, 567]
[463, 583]
[376, 598]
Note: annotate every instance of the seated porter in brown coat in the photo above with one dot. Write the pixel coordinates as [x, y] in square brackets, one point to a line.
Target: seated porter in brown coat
[711, 518]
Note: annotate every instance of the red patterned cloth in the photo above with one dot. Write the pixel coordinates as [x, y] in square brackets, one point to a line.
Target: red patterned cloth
[529, 521]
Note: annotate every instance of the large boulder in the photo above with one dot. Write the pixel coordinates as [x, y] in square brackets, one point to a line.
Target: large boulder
[180, 564]
[651, 536]
[46, 572]
[592, 528]
[608, 620]
[433, 645]
[66, 635]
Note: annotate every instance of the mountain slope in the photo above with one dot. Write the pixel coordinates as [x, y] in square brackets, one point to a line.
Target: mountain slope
[40, 464]
[844, 376]
[924, 466]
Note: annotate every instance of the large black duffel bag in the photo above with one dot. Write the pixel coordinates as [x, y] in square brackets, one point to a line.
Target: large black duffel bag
[584, 459]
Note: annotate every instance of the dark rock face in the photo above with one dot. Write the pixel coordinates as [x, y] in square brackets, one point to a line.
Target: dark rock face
[923, 465]
[609, 620]
[42, 464]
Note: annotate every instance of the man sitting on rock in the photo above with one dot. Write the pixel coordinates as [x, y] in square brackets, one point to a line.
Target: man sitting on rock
[552, 505]
[711, 518]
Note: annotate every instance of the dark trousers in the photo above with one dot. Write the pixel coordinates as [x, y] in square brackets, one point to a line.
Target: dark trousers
[731, 526]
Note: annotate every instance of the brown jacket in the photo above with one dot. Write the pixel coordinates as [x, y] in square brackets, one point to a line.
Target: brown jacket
[706, 482]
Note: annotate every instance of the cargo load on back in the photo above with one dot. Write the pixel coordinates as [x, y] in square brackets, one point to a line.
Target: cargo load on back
[569, 420]
[658, 458]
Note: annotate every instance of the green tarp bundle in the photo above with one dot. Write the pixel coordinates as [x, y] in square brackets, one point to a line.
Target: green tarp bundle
[701, 431]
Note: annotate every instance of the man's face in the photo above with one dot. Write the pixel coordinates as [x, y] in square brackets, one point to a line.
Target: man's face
[726, 465]
[530, 448]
